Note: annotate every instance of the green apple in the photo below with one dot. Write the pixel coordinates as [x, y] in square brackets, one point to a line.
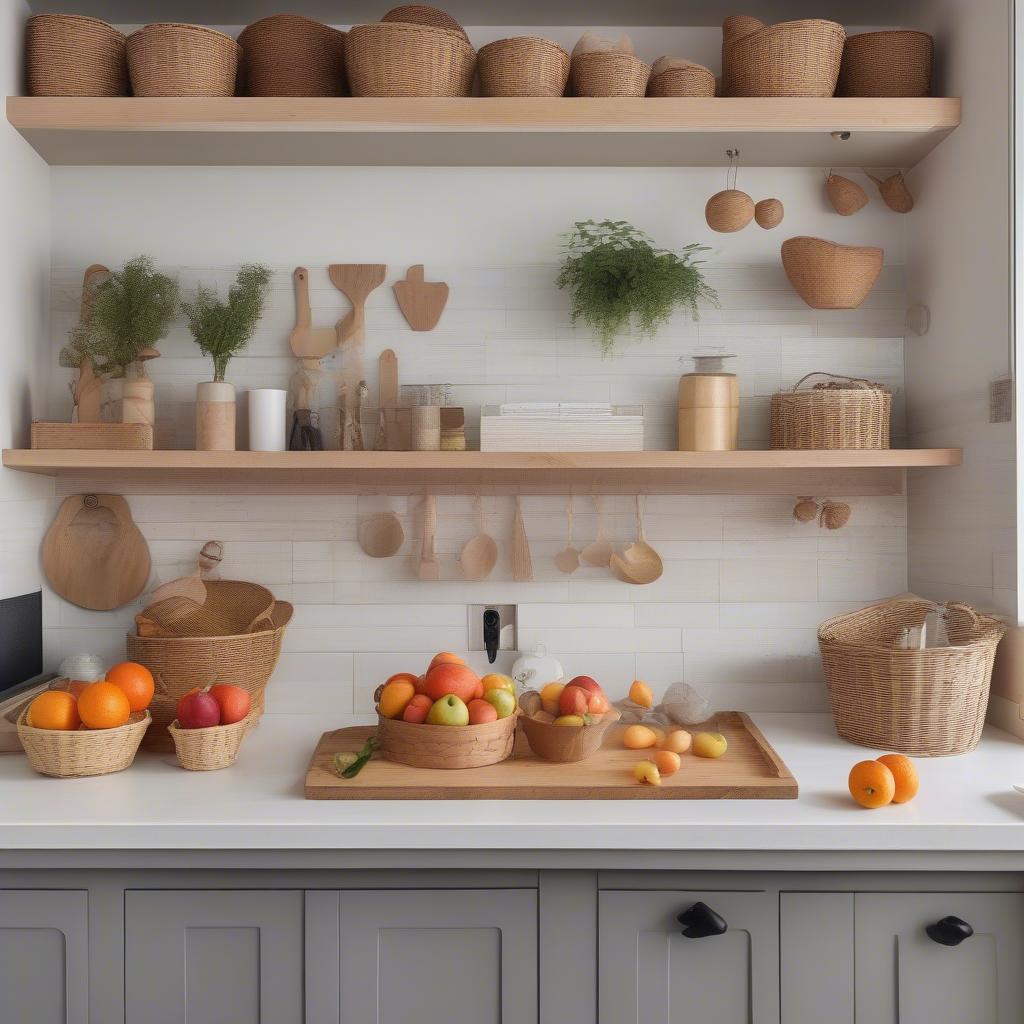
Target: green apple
[449, 710]
[502, 701]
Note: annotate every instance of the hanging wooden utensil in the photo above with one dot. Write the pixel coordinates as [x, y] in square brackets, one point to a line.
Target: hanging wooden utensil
[568, 559]
[87, 391]
[355, 281]
[480, 554]
[599, 551]
[387, 401]
[381, 535]
[307, 341]
[894, 192]
[846, 197]
[94, 555]
[639, 563]
[428, 568]
[421, 302]
[522, 563]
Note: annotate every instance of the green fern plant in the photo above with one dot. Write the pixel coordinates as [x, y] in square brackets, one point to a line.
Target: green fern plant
[223, 329]
[616, 276]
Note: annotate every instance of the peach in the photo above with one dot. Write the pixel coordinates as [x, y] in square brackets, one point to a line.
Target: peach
[395, 697]
[678, 741]
[447, 677]
[480, 712]
[573, 701]
[445, 658]
[421, 684]
[667, 762]
[417, 709]
[638, 737]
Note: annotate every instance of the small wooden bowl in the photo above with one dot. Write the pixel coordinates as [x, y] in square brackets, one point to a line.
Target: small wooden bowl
[446, 746]
[563, 743]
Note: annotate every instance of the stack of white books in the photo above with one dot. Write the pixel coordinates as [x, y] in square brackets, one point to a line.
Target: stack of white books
[562, 427]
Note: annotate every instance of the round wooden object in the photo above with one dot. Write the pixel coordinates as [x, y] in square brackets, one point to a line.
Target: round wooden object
[769, 213]
[846, 197]
[479, 557]
[728, 211]
[805, 510]
[382, 535]
[446, 746]
[566, 743]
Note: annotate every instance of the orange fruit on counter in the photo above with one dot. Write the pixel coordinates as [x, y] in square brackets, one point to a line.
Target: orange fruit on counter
[872, 784]
[54, 709]
[395, 697]
[103, 706]
[445, 658]
[905, 776]
[135, 682]
[638, 737]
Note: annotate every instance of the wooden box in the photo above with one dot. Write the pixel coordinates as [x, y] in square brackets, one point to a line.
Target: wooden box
[93, 436]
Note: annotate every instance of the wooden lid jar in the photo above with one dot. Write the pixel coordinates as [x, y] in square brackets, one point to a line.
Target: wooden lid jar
[709, 406]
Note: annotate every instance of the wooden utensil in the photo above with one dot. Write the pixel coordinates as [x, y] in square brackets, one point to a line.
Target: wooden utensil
[639, 563]
[599, 551]
[387, 401]
[568, 559]
[94, 555]
[381, 535]
[307, 341]
[522, 563]
[87, 390]
[421, 302]
[355, 281]
[429, 569]
[480, 554]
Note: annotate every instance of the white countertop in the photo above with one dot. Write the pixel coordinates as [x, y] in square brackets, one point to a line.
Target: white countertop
[965, 804]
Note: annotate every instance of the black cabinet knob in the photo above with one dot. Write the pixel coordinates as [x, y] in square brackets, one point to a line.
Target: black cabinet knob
[700, 921]
[950, 931]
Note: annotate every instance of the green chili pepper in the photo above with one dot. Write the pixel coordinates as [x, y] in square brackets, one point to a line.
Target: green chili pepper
[348, 764]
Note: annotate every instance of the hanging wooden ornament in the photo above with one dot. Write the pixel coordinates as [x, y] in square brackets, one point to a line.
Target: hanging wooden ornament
[846, 197]
[894, 192]
[835, 515]
[769, 213]
[805, 510]
[729, 210]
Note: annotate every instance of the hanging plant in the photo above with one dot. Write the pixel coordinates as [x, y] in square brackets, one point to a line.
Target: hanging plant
[615, 276]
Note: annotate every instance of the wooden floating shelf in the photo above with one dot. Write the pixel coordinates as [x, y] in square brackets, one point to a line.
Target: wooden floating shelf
[476, 131]
[834, 473]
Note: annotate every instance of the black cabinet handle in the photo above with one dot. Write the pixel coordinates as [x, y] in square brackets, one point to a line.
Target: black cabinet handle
[950, 931]
[700, 921]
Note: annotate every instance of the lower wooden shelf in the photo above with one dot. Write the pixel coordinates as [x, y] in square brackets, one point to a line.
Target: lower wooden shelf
[847, 472]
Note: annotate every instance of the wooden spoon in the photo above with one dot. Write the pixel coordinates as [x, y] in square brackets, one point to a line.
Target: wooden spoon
[480, 554]
[381, 535]
[429, 569]
[599, 551]
[522, 563]
[568, 560]
[639, 563]
[307, 341]
[355, 281]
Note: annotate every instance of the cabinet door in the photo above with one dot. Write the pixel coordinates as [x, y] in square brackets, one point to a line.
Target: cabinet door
[44, 956]
[453, 956]
[904, 976]
[213, 957]
[650, 973]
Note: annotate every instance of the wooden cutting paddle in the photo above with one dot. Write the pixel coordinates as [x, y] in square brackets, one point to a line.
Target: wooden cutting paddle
[599, 551]
[307, 341]
[422, 302]
[355, 281]
[639, 563]
[387, 401]
[428, 568]
[522, 563]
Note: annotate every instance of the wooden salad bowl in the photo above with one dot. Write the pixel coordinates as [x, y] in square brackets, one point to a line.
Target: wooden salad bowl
[563, 743]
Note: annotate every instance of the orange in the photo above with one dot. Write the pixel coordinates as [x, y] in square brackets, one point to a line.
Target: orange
[871, 784]
[135, 682]
[904, 775]
[104, 706]
[55, 709]
[445, 658]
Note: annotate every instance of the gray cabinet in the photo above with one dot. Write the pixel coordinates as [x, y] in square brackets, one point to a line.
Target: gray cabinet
[452, 956]
[213, 957]
[44, 956]
[650, 973]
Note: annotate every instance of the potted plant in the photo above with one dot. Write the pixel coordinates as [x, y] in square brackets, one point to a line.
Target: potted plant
[616, 276]
[130, 312]
[222, 330]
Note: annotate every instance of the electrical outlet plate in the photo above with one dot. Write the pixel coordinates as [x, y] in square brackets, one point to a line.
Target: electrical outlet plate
[475, 624]
[1000, 401]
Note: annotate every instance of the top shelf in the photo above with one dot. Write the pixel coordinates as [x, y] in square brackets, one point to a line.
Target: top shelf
[478, 131]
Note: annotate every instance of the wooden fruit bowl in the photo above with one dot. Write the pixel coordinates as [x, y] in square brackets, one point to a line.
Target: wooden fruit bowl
[446, 746]
[563, 743]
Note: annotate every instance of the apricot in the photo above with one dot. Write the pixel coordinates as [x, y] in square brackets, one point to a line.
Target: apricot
[904, 775]
[395, 697]
[640, 693]
[678, 741]
[549, 697]
[667, 762]
[647, 772]
[480, 712]
[638, 737]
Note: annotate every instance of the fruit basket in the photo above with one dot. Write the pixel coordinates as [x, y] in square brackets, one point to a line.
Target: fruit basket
[562, 743]
[445, 746]
[205, 750]
[69, 754]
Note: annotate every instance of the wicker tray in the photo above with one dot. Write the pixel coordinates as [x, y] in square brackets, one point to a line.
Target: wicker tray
[81, 752]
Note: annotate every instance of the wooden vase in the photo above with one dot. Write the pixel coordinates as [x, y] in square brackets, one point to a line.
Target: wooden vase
[137, 403]
[709, 412]
[215, 417]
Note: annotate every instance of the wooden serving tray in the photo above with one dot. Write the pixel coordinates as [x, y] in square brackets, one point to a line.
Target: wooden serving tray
[750, 770]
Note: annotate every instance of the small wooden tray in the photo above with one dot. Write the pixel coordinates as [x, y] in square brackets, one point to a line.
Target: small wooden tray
[750, 770]
[92, 436]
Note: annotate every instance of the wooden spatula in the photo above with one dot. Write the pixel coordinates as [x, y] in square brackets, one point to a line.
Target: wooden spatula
[355, 281]
[422, 302]
[429, 569]
[387, 401]
[307, 341]
[522, 563]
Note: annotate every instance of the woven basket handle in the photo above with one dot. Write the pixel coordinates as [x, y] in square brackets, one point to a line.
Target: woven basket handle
[859, 382]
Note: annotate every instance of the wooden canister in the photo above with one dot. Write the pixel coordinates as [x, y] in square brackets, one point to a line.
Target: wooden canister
[709, 408]
[215, 417]
[137, 405]
[426, 428]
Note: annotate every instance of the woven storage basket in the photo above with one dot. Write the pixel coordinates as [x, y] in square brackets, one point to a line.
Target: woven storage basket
[73, 754]
[231, 607]
[66, 55]
[841, 412]
[207, 750]
[893, 63]
[289, 55]
[398, 59]
[523, 66]
[928, 703]
[182, 664]
[608, 73]
[424, 14]
[167, 59]
[827, 275]
[792, 58]
[673, 76]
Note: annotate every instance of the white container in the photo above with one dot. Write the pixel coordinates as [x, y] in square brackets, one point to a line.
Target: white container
[562, 428]
[267, 420]
[215, 417]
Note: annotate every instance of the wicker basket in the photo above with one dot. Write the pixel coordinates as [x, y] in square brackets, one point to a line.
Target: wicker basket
[232, 607]
[676, 77]
[929, 703]
[207, 750]
[608, 73]
[792, 58]
[892, 63]
[180, 665]
[168, 59]
[523, 66]
[66, 55]
[289, 55]
[74, 754]
[424, 14]
[398, 59]
[841, 412]
[827, 275]
[446, 746]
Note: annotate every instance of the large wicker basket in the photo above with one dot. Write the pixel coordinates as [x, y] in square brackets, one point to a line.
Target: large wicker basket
[398, 59]
[929, 703]
[523, 66]
[68, 55]
[168, 59]
[208, 750]
[182, 664]
[672, 76]
[80, 752]
[827, 275]
[834, 413]
[424, 14]
[891, 63]
[289, 55]
[792, 58]
[608, 73]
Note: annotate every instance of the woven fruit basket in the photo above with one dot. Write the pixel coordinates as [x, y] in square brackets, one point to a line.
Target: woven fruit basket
[446, 746]
[523, 66]
[837, 412]
[210, 749]
[827, 275]
[290, 55]
[68, 55]
[71, 754]
[890, 63]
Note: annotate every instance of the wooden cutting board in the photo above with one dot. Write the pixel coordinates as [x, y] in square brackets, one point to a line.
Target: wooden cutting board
[750, 770]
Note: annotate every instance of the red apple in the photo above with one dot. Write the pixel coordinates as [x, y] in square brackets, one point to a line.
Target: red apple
[480, 712]
[234, 702]
[198, 710]
[573, 700]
